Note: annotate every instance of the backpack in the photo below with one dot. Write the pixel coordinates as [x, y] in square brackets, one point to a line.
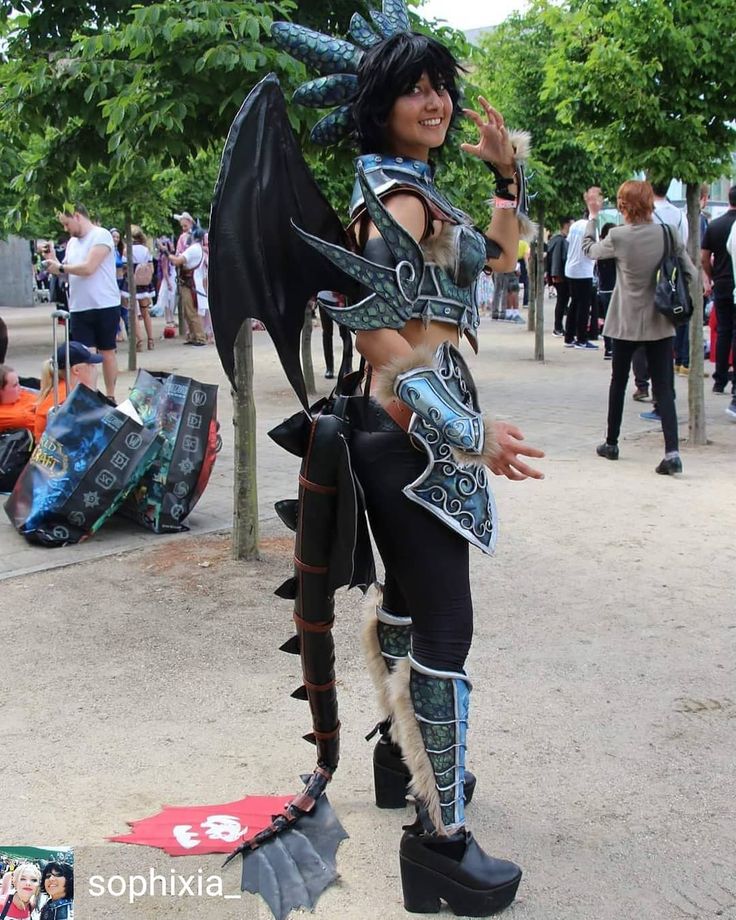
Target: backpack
[671, 295]
[143, 273]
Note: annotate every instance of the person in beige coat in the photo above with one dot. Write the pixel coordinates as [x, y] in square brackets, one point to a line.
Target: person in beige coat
[633, 319]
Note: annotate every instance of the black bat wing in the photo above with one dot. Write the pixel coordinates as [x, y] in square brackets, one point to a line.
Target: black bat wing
[292, 870]
[259, 268]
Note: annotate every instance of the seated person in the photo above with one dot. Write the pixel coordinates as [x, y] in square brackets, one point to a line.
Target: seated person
[17, 406]
[82, 369]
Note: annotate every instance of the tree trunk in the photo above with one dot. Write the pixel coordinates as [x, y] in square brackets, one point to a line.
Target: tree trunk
[132, 304]
[245, 504]
[531, 269]
[539, 292]
[696, 395]
[307, 364]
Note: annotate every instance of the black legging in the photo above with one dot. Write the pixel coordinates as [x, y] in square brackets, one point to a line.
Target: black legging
[427, 565]
[659, 359]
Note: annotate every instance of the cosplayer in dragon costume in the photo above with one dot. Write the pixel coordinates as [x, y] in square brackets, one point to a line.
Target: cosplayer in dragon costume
[413, 449]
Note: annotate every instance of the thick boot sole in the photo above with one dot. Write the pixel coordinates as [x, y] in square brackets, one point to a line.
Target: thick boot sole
[392, 787]
[424, 890]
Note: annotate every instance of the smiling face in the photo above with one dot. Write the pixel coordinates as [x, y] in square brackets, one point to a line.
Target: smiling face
[419, 120]
[26, 879]
[54, 885]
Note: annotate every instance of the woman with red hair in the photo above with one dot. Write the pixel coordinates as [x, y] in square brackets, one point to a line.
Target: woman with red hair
[632, 319]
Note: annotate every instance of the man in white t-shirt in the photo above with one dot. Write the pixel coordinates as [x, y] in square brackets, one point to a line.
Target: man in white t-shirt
[579, 274]
[94, 296]
[667, 213]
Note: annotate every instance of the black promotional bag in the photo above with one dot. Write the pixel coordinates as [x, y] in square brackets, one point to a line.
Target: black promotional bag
[184, 413]
[16, 447]
[88, 459]
[671, 295]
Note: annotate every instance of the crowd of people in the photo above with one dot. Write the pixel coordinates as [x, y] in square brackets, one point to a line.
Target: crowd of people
[603, 278]
[86, 273]
[29, 892]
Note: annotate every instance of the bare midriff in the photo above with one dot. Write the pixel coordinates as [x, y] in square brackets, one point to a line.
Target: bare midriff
[433, 335]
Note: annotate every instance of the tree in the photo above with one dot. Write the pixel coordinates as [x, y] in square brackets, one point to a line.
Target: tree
[654, 83]
[561, 165]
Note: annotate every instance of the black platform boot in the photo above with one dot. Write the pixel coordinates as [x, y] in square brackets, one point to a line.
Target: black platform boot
[440, 860]
[386, 642]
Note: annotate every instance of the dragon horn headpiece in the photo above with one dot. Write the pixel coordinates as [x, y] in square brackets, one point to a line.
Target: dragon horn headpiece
[337, 60]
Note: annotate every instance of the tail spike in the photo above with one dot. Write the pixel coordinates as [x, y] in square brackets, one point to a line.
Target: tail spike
[292, 646]
[287, 510]
[288, 590]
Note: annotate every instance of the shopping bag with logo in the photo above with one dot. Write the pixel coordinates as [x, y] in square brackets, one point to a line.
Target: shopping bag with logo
[184, 412]
[16, 447]
[86, 462]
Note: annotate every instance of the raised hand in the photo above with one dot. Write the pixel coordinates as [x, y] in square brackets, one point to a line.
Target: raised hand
[506, 461]
[493, 144]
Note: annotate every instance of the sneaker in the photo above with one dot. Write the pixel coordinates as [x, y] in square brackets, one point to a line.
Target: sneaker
[719, 388]
[731, 410]
[683, 371]
[557, 333]
[669, 467]
[517, 319]
[609, 451]
[591, 346]
[608, 356]
[650, 416]
[640, 395]
[572, 344]
[678, 368]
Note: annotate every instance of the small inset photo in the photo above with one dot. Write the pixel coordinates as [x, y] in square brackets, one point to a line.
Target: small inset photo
[36, 883]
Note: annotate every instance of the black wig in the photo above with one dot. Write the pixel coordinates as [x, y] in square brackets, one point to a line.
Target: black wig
[389, 70]
[62, 869]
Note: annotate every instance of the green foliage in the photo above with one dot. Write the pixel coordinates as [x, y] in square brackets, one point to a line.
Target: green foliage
[135, 99]
[512, 68]
[651, 80]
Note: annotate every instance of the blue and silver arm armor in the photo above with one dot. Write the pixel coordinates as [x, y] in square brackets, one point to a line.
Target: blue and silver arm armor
[447, 423]
[438, 388]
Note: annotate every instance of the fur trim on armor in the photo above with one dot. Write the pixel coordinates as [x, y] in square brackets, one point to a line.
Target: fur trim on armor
[527, 227]
[409, 736]
[374, 659]
[521, 141]
[441, 248]
[490, 448]
[385, 377]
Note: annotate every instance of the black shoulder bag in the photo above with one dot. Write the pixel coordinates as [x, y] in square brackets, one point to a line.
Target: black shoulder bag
[671, 295]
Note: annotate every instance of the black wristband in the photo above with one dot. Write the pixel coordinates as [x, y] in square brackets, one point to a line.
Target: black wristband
[502, 182]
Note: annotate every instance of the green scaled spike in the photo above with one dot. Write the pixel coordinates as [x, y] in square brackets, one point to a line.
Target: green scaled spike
[377, 278]
[402, 245]
[362, 33]
[383, 24]
[333, 127]
[371, 313]
[397, 14]
[324, 91]
[321, 52]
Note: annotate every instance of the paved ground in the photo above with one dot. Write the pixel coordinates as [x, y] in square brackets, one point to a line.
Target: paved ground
[603, 665]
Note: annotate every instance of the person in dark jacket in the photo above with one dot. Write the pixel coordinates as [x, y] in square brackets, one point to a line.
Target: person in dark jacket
[57, 881]
[556, 257]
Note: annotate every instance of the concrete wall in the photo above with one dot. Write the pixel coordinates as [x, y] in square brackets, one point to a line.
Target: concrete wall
[16, 273]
